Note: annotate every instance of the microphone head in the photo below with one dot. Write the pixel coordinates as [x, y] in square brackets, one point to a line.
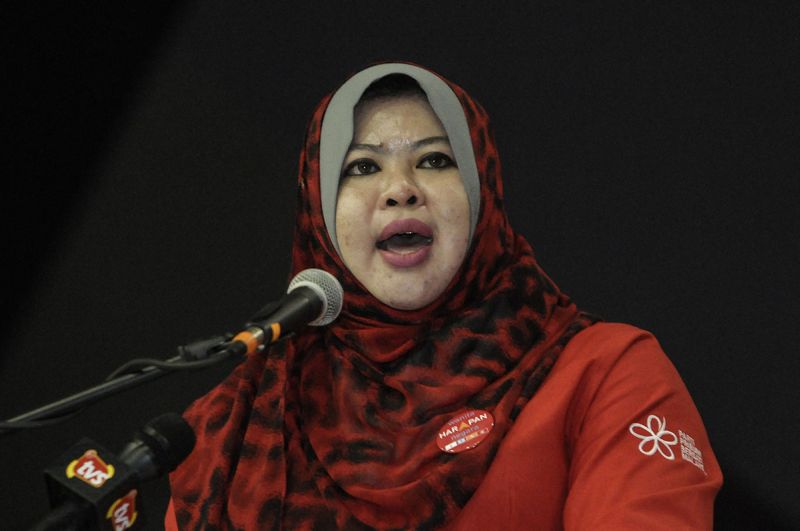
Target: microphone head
[326, 287]
[169, 438]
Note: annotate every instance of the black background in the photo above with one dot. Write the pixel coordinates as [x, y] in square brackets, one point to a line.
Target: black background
[649, 152]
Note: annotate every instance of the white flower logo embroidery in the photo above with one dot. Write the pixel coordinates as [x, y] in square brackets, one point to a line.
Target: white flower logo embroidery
[655, 437]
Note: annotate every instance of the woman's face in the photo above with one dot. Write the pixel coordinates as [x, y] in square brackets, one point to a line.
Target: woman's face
[402, 214]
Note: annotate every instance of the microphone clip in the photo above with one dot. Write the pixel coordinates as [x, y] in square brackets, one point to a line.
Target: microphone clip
[203, 349]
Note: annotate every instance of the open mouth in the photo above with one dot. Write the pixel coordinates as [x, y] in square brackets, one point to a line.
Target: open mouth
[404, 242]
[405, 236]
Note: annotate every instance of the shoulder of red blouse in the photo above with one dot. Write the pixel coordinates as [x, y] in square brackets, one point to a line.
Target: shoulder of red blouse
[641, 457]
[612, 440]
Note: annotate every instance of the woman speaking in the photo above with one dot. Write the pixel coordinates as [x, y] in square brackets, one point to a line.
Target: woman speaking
[459, 388]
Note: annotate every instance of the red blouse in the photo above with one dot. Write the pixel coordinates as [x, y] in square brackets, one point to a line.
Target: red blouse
[612, 440]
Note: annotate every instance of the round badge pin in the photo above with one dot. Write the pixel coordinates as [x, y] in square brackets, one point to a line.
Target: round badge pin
[465, 431]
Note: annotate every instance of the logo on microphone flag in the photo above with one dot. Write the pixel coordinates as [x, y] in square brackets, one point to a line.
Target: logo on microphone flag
[91, 469]
[122, 512]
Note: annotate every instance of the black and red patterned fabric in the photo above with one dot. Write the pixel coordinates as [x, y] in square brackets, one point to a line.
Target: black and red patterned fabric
[336, 428]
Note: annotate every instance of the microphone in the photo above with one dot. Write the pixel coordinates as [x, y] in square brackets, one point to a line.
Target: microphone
[314, 297]
[91, 488]
[159, 446]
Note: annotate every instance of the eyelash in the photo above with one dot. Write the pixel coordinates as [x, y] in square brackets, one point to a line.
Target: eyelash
[437, 155]
[446, 163]
[349, 170]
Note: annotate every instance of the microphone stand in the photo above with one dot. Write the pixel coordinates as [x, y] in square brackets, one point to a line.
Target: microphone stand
[197, 352]
[192, 356]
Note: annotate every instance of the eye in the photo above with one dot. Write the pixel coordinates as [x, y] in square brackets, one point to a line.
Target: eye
[436, 161]
[361, 167]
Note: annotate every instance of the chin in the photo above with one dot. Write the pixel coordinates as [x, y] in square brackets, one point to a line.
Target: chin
[406, 305]
[407, 300]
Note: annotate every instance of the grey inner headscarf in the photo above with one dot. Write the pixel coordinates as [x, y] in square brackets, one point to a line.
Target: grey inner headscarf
[337, 135]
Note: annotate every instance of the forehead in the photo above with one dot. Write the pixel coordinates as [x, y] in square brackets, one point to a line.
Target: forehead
[404, 116]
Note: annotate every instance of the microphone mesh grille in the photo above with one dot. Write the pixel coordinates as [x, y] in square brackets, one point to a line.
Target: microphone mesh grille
[327, 287]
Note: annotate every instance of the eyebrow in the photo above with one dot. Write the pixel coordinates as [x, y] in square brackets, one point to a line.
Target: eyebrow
[414, 145]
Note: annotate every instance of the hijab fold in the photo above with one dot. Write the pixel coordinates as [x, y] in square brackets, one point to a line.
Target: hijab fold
[336, 427]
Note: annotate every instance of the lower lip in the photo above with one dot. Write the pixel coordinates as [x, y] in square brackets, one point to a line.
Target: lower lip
[406, 259]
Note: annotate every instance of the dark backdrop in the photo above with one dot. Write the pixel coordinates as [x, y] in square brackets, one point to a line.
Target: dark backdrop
[650, 156]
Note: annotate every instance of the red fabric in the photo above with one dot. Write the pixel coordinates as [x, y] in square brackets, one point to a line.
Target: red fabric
[571, 462]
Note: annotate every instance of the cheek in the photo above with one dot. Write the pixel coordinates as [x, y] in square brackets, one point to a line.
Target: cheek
[454, 209]
[351, 218]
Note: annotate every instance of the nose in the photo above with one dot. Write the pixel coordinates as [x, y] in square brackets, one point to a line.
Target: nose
[401, 190]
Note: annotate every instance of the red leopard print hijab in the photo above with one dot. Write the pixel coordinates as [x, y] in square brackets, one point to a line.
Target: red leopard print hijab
[336, 428]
